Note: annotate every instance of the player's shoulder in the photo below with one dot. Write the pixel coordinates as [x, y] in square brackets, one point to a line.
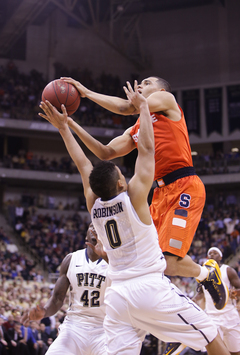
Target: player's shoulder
[78, 254]
[127, 131]
[162, 101]
[167, 95]
[65, 263]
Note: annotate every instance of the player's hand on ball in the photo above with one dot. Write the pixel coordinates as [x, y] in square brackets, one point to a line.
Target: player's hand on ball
[81, 89]
[52, 115]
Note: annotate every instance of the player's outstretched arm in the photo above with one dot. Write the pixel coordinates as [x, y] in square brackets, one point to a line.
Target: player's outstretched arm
[55, 302]
[84, 165]
[118, 147]
[110, 103]
[140, 184]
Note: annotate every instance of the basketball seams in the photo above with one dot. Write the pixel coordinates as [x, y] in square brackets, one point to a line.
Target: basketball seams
[67, 95]
[53, 84]
[77, 98]
[69, 106]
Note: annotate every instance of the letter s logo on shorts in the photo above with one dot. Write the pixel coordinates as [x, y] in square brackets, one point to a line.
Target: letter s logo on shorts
[185, 200]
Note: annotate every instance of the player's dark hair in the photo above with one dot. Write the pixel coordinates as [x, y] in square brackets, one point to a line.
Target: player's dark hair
[163, 84]
[103, 179]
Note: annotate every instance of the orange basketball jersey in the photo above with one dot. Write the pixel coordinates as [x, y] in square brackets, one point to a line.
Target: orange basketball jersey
[172, 148]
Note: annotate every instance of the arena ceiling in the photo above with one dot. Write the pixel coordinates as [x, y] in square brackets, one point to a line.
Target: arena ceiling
[17, 15]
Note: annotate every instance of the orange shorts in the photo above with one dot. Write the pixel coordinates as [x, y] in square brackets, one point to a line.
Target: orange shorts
[176, 210]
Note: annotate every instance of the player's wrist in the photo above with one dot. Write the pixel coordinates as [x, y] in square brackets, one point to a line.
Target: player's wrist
[69, 121]
[63, 128]
[143, 105]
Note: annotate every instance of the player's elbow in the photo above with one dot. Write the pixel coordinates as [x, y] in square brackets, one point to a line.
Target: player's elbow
[151, 149]
[105, 155]
[148, 150]
[126, 109]
[106, 152]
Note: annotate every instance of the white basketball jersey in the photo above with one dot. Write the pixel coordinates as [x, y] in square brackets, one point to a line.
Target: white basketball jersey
[209, 305]
[132, 246]
[88, 283]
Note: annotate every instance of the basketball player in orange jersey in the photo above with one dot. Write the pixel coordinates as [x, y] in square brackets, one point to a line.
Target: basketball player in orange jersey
[179, 199]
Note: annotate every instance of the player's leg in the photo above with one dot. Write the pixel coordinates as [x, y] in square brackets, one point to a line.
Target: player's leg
[217, 347]
[176, 210]
[98, 345]
[70, 341]
[229, 330]
[122, 338]
[169, 315]
[62, 345]
[184, 267]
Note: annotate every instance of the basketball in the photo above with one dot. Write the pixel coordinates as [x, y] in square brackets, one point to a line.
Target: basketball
[58, 92]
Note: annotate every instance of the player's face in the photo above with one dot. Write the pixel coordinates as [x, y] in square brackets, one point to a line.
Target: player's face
[122, 179]
[149, 86]
[91, 236]
[213, 254]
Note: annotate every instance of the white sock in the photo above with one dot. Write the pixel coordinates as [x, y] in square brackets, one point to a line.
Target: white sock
[203, 273]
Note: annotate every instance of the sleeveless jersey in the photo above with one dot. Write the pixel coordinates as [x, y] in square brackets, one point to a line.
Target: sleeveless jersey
[88, 283]
[172, 147]
[209, 305]
[132, 246]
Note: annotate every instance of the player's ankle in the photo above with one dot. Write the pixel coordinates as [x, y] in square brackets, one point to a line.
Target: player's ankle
[203, 273]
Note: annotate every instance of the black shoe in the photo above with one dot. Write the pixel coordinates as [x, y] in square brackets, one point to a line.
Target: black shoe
[214, 284]
[174, 348]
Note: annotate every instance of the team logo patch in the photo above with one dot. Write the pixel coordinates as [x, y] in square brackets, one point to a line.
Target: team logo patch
[185, 200]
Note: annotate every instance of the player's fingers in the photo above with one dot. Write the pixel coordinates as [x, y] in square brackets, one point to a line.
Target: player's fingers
[126, 90]
[46, 110]
[50, 107]
[26, 322]
[129, 87]
[25, 318]
[127, 93]
[64, 111]
[68, 80]
[135, 86]
[233, 294]
[90, 245]
[43, 116]
[45, 106]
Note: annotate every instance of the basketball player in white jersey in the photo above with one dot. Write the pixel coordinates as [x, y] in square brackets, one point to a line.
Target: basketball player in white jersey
[82, 331]
[140, 299]
[227, 319]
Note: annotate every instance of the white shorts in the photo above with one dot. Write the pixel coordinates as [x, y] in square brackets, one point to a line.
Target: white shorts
[228, 325]
[76, 340]
[152, 304]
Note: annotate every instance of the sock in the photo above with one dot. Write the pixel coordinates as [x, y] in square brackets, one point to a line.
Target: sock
[203, 273]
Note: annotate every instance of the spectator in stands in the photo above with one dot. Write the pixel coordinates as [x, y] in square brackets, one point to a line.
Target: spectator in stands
[54, 332]
[5, 341]
[18, 339]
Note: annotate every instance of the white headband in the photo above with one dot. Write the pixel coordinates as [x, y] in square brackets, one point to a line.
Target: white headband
[215, 249]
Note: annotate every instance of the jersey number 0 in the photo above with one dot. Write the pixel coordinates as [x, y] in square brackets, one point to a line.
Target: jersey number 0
[113, 234]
